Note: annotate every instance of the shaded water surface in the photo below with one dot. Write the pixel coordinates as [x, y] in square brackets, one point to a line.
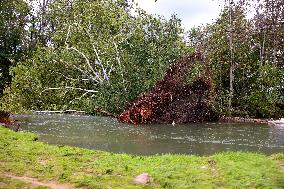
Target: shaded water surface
[107, 134]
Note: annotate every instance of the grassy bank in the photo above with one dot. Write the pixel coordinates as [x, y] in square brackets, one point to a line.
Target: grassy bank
[23, 160]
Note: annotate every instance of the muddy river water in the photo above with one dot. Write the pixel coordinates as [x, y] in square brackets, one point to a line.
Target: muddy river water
[102, 133]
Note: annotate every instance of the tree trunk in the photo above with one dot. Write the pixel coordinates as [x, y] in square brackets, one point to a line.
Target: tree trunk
[231, 60]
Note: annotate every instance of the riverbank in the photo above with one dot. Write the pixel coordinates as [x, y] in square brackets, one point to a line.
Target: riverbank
[25, 162]
[228, 119]
[222, 119]
[273, 122]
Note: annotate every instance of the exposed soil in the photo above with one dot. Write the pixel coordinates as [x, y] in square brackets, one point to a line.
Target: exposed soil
[34, 183]
[5, 118]
[173, 100]
[281, 163]
[7, 121]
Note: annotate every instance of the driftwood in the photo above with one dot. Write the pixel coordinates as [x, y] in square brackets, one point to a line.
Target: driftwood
[172, 100]
[73, 112]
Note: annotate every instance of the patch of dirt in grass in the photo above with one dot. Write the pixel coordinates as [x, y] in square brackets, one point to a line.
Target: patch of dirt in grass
[281, 163]
[34, 183]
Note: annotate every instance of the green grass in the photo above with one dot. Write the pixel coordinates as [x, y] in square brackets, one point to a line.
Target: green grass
[22, 155]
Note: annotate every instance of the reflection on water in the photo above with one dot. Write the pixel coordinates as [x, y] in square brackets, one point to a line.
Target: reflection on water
[107, 134]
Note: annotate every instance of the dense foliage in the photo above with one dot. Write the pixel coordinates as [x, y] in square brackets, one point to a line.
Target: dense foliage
[257, 71]
[99, 55]
[105, 53]
[13, 18]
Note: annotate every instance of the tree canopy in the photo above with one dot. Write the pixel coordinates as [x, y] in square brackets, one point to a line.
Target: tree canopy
[13, 19]
[102, 54]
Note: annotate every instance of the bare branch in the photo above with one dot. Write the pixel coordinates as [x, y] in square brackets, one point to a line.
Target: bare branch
[94, 47]
[68, 34]
[75, 99]
[98, 76]
[86, 72]
[98, 60]
[69, 88]
[119, 63]
[73, 79]
[84, 56]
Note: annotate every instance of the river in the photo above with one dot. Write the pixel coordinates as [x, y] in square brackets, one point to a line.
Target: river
[104, 133]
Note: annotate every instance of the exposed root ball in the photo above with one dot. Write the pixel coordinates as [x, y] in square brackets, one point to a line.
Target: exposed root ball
[172, 100]
[5, 118]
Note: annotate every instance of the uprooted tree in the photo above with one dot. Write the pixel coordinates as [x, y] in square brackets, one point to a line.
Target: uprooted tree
[173, 99]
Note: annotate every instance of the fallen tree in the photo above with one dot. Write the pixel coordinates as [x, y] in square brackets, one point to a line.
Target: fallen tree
[173, 100]
[7, 121]
[5, 118]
